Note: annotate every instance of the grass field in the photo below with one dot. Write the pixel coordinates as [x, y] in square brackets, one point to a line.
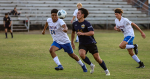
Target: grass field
[26, 56]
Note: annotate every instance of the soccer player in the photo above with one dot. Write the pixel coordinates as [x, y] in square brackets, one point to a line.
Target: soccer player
[7, 24]
[58, 29]
[87, 42]
[79, 5]
[125, 25]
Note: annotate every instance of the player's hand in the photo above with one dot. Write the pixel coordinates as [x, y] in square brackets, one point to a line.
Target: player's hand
[43, 32]
[115, 28]
[71, 21]
[73, 45]
[80, 33]
[143, 35]
[65, 30]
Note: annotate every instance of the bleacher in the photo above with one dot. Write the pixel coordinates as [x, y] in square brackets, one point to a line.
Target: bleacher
[100, 11]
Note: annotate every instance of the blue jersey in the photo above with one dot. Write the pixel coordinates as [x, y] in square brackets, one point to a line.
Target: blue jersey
[84, 26]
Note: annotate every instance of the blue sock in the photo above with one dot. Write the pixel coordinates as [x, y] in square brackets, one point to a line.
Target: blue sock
[6, 35]
[103, 65]
[86, 60]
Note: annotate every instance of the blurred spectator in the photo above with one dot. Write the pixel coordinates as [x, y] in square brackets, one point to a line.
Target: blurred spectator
[14, 12]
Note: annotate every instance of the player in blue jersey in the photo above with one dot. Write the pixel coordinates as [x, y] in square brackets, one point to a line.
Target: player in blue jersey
[87, 42]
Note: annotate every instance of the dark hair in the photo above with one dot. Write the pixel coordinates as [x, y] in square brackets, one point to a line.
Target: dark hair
[118, 10]
[6, 13]
[84, 11]
[54, 11]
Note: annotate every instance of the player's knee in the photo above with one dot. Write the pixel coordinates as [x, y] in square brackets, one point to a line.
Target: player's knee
[82, 56]
[51, 50]
[122, 47]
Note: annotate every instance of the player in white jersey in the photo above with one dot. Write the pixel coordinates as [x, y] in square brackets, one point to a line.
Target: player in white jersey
[79, 5]
[124, 25]
[58, 29]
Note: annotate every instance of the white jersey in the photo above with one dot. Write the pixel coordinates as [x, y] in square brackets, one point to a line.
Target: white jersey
[56, 31]
[75, 14]
[125, 26]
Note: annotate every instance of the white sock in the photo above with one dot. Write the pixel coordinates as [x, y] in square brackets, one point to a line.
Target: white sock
[136, 58]
[91, 64]
[57, 60]
[106, 70]
[77, 38]
[129, 46]
[80, 63]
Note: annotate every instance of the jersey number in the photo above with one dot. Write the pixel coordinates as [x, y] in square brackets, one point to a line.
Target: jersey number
[52, 31]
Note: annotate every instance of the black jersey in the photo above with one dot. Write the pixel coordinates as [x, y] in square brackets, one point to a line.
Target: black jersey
[7, 20]
[84, 26]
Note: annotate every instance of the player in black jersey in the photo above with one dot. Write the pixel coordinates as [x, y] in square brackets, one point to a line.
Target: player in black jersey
[87, 42]
[7, 24]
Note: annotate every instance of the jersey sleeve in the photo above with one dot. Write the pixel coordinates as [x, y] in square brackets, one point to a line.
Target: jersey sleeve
[9, 18]
[61, 22]
[90, 27]
[73, 29]
[127, 21]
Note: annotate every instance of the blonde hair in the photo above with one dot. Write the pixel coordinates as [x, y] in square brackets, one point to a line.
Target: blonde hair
[118, 10]
[79, 4]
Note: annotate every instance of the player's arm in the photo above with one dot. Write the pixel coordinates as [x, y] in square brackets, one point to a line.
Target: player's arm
[72, 39]
[65, 28]
[90, 33]
[73, 19]
[4, 23]
[46, 25]
[10, 24]
[115, 28]
[142, 33]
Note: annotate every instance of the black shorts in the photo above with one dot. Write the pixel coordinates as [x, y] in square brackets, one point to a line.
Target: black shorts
[7, 27]
[92, 48]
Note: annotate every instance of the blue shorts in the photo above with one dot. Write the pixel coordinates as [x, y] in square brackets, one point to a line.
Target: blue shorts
[129, 40]
[67, 47]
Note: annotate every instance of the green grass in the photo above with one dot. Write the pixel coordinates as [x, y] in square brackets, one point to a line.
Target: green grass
[26, 56]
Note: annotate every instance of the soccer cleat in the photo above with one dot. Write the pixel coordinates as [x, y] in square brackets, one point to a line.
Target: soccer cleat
[84, 68]
[60, 67]
[141, 65]
[92, 68]
[107, 73]
[136, 49]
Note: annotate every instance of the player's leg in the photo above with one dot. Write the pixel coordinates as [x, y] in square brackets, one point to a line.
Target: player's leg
[94, 51]
[6, 32]
[54, 47]
[11, 32]
[67, 48]
[125, 44]
[141, 65]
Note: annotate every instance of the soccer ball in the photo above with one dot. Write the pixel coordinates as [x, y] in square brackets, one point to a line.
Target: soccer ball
[61, 14]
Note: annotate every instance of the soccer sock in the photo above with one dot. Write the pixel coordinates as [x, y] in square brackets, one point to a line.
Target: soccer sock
[12, 35]
[6, 35]
[136, 58]
[86, 60]
[80, 63]
[129, 46]
[91, 64]
[77, 38]
[57, 60]
[103, 65]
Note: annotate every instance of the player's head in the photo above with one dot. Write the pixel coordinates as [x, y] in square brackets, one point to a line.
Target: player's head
[54, 15]
[82, 13]
[79, 5]
[6, 14]
[118, 12]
